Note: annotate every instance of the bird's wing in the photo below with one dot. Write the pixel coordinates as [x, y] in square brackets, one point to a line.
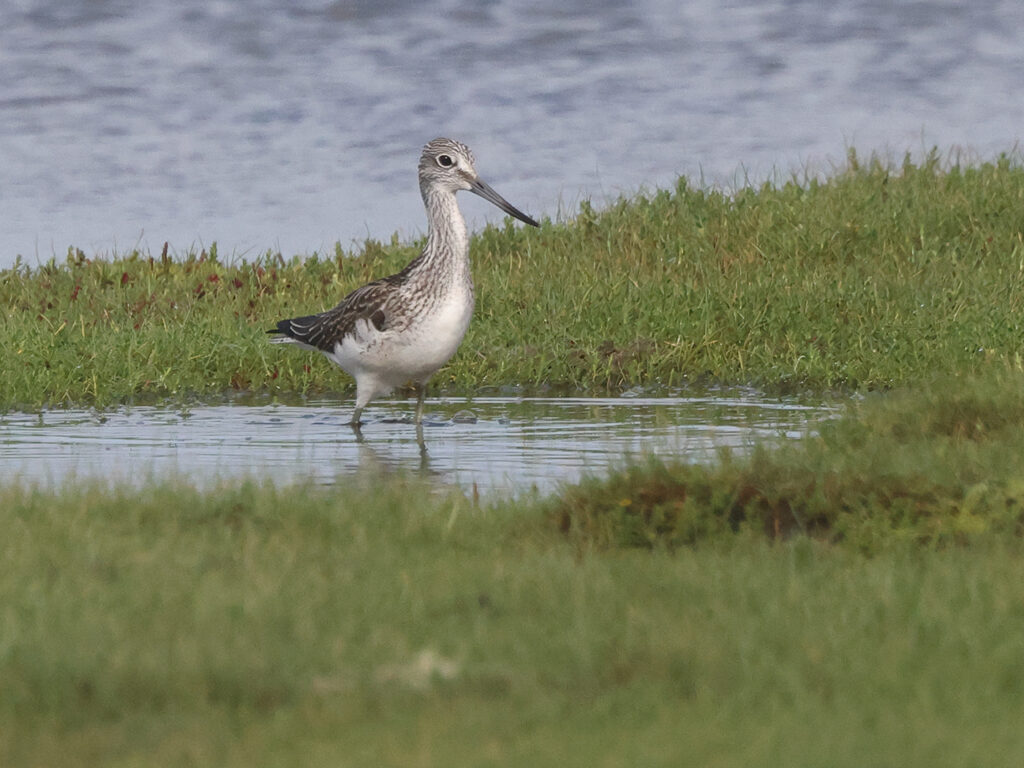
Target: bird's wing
[371, 302]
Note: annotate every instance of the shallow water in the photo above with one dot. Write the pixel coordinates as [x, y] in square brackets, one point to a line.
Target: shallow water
[507, 445]
[293, 124]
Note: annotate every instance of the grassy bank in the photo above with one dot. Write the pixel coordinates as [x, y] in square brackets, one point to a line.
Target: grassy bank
[877, 276]
[877, 621]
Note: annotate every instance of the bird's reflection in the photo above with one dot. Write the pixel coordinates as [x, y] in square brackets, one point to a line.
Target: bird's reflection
[375, 462]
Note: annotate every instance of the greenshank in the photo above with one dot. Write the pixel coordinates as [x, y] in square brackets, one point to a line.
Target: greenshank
[404, 327]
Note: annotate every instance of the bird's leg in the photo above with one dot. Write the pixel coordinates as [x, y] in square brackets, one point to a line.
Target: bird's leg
[421, 392]
[423, 448]
[363, 396]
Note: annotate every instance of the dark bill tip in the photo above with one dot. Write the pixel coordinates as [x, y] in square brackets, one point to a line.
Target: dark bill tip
[487, 192]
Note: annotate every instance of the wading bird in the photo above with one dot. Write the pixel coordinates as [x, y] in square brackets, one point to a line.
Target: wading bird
[404, 327]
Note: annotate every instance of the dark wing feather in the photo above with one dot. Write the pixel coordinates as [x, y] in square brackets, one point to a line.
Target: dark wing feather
[323, 331]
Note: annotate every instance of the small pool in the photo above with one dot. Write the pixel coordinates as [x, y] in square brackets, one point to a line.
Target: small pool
[507, 445]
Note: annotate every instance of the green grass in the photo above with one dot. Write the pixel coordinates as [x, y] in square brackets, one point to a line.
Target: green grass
[879, 622]
[937, 465]
[855, 598]
[254, 626]
[878, 276]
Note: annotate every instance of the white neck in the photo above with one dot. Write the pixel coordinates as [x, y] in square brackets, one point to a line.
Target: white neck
[447, 237]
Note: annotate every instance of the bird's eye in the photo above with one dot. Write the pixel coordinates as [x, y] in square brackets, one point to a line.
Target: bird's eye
[445, 161]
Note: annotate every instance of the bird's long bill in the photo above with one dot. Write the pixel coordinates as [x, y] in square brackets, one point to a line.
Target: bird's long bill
[485, 191]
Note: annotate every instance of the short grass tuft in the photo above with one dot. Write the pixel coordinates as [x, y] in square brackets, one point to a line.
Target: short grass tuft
[937, 465]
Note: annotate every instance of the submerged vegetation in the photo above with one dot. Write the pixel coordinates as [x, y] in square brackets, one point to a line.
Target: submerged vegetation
[878, 276]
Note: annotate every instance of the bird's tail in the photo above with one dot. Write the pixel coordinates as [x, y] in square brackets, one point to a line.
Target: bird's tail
[293, 331]
[282, 333]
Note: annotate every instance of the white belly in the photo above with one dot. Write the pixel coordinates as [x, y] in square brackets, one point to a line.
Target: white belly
[415, 353]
